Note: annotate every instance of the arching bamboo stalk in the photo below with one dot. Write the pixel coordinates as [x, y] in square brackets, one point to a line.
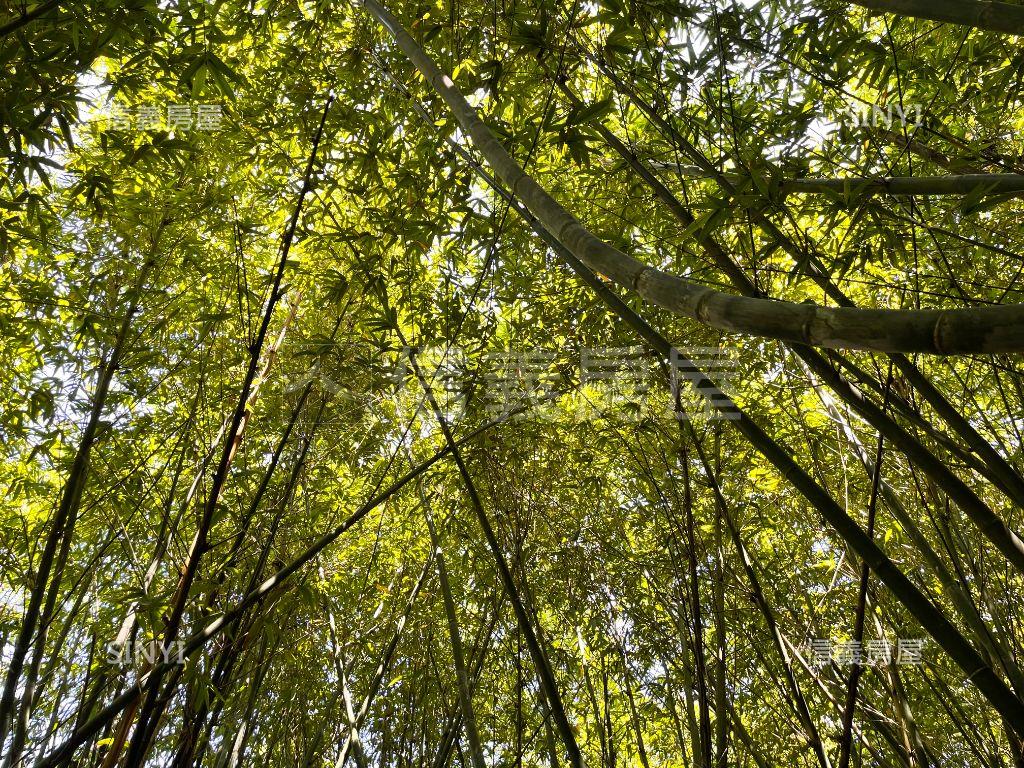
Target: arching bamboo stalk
[981, 14]
[1005, 476]
[953, 331]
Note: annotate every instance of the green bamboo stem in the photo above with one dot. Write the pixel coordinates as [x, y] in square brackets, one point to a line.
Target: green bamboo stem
[464, 684]
[546, 675]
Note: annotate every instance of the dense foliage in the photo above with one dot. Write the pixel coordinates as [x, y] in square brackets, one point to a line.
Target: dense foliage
[254, 271]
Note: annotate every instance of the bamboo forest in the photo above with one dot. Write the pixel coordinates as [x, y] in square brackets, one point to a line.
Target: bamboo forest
[511, 383]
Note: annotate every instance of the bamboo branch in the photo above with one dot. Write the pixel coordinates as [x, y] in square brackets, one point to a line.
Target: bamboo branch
[27, 18]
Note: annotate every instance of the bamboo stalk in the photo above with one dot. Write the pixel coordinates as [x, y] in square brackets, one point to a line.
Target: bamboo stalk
[549, 685]
[964, 184]
[951, 331]
[700, 659]
[948, 184]
[798, 701]
[846, 741]
[461, 672]
[150, 712]
[993, 16]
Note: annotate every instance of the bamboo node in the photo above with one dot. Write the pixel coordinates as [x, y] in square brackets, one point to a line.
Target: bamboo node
[806, 333]
[639, 276]
[937, 334]
[698, 311]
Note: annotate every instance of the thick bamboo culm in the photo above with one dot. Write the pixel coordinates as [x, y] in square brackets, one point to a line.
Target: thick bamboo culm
[993, 16]
[989, 329]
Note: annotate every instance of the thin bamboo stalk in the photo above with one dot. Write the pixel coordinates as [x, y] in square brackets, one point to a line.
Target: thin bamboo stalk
[543, 667]
[965, 184]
